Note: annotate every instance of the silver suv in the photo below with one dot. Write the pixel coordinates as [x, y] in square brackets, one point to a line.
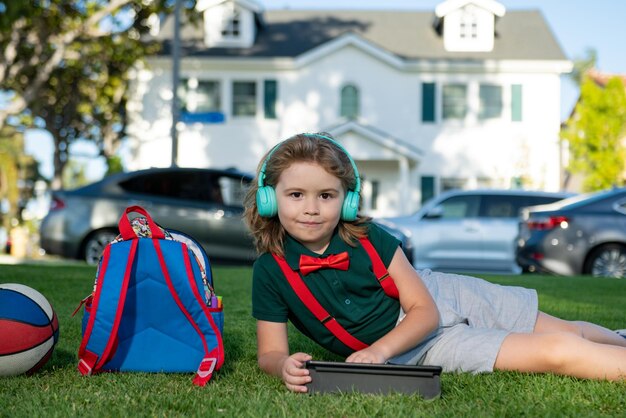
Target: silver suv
[469, 230]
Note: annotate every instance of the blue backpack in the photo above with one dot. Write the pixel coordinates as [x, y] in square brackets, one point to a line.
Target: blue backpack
[153, 307]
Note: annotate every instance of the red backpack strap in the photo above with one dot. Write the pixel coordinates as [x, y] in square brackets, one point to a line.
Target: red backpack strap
[382, 275]
[100, 338]
[307, 298]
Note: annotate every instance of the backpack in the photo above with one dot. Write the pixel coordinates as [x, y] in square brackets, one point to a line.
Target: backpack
[306, 297]
[153, 307]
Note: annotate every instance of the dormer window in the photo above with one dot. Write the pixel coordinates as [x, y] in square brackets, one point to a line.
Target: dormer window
[469, 25]
[231, 23]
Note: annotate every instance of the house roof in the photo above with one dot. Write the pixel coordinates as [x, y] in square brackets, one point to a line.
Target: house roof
[409, 35]
[602, 79]
[448, 6]
[378, 136]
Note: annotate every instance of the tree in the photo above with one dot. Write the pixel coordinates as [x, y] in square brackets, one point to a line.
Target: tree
[596, 134]
[18, 173]
[66, 62]
[582, 65]
[86, 98]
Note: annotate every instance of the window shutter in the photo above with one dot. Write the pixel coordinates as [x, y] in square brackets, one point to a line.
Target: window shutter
[428, 102]
[269, 102]
[516, 102]
[428, 188]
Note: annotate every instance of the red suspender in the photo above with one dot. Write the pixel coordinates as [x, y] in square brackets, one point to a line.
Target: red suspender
[305, 295]
[382, 275]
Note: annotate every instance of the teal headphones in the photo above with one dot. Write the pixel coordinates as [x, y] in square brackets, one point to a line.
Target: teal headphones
[266, 195]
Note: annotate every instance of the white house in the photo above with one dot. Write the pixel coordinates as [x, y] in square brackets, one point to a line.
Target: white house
[465, 96]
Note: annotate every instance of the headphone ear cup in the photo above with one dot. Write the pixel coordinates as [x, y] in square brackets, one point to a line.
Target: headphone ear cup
[350, 207]
[266, 201]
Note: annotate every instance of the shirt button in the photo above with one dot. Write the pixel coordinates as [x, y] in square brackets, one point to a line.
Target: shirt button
[347, 301]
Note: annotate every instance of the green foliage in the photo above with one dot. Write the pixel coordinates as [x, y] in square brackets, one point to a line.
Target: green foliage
[583, 64]
[596, 135]
[67, 63]
[240, 389]
[18, 173]
[74, 175]
[114, 165]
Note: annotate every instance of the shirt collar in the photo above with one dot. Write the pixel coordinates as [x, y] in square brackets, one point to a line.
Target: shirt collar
[294, 249]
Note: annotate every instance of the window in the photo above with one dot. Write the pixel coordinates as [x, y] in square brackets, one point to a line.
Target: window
[231, 23]
[375, 192]
[428, 102]
[198, 96]
[427, 187]
[232, 190]
[468, 26]
[244, 98]
[451, 183]
[350, 102]
[459, 207]
[516, 102]
[189, 185]
[490, 97]
[454, 101]
[270, 91]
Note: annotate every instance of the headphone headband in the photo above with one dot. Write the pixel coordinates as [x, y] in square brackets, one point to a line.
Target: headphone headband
[357, 186]
[266, 196]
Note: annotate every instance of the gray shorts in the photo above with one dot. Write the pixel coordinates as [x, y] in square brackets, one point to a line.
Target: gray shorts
[475, 317]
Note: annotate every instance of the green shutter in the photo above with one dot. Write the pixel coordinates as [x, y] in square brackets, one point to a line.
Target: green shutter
[269, 101]
[428, 102]
[428, 188]
[516, 102]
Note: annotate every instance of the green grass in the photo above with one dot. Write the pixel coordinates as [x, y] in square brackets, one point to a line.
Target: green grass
[240, 389]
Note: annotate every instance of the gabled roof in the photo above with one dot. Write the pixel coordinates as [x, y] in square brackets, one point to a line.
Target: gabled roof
[450, 5]
[602, 79]
[379, 137]
[408, 35]
[202, 5]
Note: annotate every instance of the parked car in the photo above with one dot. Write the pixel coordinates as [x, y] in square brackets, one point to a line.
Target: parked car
[405, 241]
[468, 230]
[585, 234]
[204, 203]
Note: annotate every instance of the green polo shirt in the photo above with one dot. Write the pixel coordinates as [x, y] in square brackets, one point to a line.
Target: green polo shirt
[354, 297]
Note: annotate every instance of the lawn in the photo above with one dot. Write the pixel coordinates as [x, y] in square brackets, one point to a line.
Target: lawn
[240, 389]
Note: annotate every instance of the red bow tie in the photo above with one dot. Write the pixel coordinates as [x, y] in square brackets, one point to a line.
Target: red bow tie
[309, 264]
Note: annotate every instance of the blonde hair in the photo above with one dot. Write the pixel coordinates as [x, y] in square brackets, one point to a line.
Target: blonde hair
[268, 233]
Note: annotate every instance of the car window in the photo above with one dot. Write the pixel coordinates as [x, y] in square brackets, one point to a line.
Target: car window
[458, 207]
[232, 189]
[541, 200]
[499, 206]
[509, 206]
[190, 185]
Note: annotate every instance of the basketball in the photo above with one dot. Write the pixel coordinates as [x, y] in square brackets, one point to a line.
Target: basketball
[29, 330]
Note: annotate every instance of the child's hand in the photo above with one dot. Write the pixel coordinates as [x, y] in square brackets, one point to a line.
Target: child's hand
[367, 355]
[294, 374]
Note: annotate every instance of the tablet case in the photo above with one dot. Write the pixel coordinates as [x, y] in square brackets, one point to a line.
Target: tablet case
[374, 378]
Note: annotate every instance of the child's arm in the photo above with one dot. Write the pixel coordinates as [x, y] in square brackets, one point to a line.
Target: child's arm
[273, 356]
[422, 316]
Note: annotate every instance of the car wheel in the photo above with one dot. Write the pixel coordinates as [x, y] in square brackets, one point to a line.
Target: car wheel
[94, 245]
[607, 261]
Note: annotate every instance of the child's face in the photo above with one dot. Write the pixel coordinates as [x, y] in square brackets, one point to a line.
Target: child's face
[309, 204]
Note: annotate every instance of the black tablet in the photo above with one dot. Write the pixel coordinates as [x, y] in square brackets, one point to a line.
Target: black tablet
[374, 378]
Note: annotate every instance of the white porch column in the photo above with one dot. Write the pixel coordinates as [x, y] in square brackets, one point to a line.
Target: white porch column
[405, 185]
